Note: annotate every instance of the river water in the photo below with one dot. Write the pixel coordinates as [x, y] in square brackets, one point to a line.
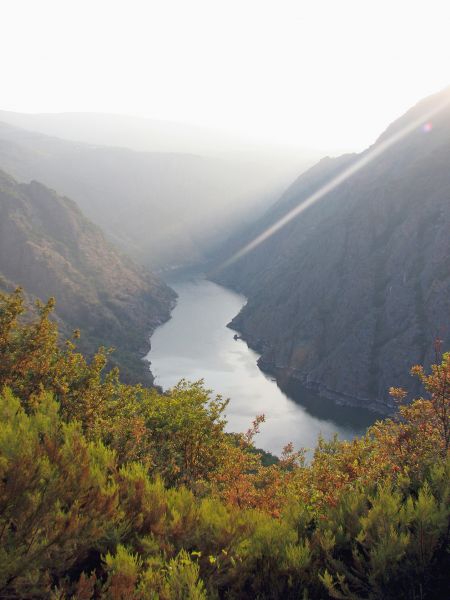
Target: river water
[196, 344]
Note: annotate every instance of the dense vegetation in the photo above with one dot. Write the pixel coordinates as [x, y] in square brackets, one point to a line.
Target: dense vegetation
[116, 491]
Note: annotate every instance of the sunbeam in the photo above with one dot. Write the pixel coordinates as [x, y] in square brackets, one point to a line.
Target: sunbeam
[424, 122]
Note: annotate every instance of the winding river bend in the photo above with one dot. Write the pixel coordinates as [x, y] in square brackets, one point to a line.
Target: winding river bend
[196, 344]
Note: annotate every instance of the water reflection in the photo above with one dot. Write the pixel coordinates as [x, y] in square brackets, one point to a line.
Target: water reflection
[196, 344]
[323, 408]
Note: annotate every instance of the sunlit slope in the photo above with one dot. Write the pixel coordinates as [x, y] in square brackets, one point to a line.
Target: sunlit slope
[48, 247]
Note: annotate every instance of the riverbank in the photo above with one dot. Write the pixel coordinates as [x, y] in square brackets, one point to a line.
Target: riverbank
[289, 377]
[197, 344]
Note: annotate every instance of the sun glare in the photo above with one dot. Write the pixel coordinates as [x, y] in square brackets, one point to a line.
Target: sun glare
[424, 122]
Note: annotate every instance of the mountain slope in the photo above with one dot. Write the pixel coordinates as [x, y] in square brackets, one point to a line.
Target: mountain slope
[352, 292]
[164, 209]
[48, 247]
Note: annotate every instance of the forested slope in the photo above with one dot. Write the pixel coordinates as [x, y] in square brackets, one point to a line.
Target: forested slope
[49, 247]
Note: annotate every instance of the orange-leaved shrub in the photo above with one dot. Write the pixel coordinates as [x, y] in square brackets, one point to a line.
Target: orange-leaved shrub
[116, 491]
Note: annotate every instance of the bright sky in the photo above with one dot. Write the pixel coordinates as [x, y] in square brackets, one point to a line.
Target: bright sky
[326, 74]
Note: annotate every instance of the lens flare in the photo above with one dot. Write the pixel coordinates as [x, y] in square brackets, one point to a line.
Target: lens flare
[423, 122]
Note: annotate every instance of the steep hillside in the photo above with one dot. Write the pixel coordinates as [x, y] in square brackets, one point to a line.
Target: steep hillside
[48, 247]
[164, 209]
[353, 291]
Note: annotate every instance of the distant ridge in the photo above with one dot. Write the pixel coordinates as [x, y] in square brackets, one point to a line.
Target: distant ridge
[165, 209]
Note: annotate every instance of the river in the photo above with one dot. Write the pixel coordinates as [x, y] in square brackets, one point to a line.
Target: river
[196, 344]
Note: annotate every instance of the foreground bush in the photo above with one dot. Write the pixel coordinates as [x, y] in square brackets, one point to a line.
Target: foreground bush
[115, 491]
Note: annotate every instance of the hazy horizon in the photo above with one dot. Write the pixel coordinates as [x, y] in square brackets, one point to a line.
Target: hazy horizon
[317, 76]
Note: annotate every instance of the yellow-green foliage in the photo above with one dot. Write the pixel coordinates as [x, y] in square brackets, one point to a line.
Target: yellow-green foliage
[57, 495]
[115, 491]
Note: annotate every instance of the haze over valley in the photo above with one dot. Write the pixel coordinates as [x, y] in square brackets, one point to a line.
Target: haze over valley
[163, 208]
[384, 226]
[224, 300]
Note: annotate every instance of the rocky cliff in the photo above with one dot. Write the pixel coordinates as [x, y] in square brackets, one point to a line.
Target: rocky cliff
[353, 291]
[49, 247]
